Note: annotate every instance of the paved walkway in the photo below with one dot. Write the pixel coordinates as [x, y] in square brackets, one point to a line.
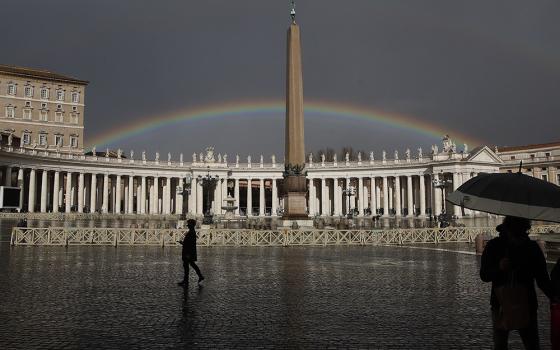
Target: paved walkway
[297, 297]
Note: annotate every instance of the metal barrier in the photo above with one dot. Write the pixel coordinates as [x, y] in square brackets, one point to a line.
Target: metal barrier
[62, 236]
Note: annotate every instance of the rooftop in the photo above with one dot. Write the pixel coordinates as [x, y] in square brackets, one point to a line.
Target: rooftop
[528, 147]
[40, 74]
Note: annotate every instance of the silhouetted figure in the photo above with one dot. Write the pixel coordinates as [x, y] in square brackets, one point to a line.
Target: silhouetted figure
[512, 262]
[555, 307]
[189, 253]
[22, 223]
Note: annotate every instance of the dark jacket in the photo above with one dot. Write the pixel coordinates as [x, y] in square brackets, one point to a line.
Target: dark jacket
[555, 278]
[189, 246]
[527, 262]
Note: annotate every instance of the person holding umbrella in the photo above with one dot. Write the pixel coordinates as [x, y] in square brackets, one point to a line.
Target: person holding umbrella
[189, 253]
[513, 262]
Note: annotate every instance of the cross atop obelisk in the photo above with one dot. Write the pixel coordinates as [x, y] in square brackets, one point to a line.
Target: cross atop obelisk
[294, 175]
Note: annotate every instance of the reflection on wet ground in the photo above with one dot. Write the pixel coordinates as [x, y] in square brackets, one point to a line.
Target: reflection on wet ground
[295, 297]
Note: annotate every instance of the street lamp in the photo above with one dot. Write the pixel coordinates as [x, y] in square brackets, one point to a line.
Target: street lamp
[185, 189]
[441, 183]
[208, 182]
[349, 192]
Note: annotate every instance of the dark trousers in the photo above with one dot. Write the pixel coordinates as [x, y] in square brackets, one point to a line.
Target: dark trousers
[186, 264]
[529, 335]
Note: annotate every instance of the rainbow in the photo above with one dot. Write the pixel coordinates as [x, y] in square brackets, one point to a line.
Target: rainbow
[276, 108]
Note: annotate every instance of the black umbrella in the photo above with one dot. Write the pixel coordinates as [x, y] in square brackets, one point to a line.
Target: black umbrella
[512, 194]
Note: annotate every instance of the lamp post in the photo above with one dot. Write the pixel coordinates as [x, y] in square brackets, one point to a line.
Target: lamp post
[349, 192]
[441, 184]
[208, 182]
[185, 189]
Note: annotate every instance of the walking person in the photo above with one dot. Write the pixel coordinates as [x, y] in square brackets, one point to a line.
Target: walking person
[189, 253]
[513, 262]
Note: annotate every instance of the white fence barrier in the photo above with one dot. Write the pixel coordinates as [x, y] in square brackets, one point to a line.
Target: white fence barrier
[62, 236]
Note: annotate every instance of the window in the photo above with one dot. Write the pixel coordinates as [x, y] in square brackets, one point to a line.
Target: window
[27, 104]
[12, 89]
[558, 179]
[43, 139]
[27, 113]
[74, 109]
[73, 141]
[26, 137]
[543, 169]
[512, 157]
[43, 105]
[28, 91]
[44, 93]
[58, 117]
[532, 156]
[60, 95]
[59, 107]
[58, 140]
[10, 112]
[44, 117]
[547, 154]
[74, 118]
[544, 177]
[75, 97]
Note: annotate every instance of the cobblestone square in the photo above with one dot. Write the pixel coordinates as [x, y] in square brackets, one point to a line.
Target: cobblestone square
[297, 297]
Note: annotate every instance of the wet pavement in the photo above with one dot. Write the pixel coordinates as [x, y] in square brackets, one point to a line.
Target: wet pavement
[272, 297]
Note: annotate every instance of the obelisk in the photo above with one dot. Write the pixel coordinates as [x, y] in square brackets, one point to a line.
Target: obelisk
[294, 174]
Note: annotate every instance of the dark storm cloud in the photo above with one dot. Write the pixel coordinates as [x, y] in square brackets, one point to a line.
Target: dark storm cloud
[488, 68]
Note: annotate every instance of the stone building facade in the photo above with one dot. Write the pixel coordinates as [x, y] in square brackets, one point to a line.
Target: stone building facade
[538, 160]
[41, 109]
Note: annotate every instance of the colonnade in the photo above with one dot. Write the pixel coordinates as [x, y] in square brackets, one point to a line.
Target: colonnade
[48, 190]
[388, 195]
[45, 190]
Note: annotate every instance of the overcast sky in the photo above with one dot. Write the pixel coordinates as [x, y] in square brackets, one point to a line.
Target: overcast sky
[489, 69]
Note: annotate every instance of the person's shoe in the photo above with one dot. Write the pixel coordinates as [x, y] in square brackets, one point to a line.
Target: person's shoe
[200, 279]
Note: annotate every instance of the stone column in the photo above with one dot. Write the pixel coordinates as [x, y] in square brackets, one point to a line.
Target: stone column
[20, 184]
[156, 196]
[324, 197]
[142, 198]
[118, 194]
[179, 196]
[167, 195]
[8, 179]
[224, 194]
[130, 194]
[93, 196]
[32, 184]
[105, 206]
[361, 195]
[422, 182]
[274, 207]
[192, 197]
[409, 194]
[336, 196]
[44, 180]
[398, 205]
[385, 197]
[56, 187]
[236, 195]
[199, 198]
[262, 202]
[378, 195]
[312, 197]
[81, 193]
[249, 198]
[436, 196]
[456, 184]
[372, 200]
[68, 193]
